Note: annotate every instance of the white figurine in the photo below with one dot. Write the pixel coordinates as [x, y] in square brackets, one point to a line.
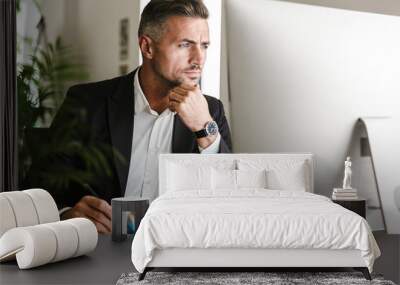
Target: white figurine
[347, 174]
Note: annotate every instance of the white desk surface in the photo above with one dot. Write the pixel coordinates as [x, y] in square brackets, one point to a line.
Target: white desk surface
[104, 265]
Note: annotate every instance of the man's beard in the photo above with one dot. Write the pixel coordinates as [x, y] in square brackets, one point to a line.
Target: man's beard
[171, 83]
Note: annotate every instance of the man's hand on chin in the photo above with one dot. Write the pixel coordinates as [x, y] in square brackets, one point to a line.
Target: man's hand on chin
[192, 108]
[93, 208]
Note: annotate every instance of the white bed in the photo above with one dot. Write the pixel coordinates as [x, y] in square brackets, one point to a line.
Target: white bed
[209, 222]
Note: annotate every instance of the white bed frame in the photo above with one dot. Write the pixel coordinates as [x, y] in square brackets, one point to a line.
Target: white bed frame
[251, 258]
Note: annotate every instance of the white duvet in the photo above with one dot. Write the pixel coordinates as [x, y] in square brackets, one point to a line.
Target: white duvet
[250, 218]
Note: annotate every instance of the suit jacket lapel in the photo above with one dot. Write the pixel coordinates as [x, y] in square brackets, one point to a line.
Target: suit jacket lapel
[121, 110]
[183, 140]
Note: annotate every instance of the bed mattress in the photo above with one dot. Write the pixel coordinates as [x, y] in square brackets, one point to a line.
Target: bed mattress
[251, 219]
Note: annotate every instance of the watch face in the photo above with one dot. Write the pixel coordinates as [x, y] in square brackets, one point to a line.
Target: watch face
[212, 128]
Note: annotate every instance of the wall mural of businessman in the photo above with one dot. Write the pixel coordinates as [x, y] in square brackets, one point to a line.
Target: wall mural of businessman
[157, 108]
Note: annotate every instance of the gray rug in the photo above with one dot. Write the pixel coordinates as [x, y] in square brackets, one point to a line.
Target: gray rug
[231, 278]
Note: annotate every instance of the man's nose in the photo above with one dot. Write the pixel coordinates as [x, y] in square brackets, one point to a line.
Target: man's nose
[198, 56]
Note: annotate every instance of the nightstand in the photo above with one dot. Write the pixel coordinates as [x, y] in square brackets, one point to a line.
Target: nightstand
[358, 206]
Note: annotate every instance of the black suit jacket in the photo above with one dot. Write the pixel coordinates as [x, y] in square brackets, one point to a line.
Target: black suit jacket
[107, 109]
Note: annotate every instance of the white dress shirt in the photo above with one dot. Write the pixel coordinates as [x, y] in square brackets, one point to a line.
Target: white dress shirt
[152, 135]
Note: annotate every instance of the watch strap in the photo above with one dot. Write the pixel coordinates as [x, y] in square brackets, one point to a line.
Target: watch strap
[201, 134]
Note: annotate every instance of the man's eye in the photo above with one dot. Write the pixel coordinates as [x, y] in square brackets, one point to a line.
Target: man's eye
[205, 46]
[184, 45]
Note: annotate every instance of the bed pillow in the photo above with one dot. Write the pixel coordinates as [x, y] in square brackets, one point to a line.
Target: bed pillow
[228, 179]
[288, 179]
[281, 174]
[223, 179]
[251, 178]
[181, 177]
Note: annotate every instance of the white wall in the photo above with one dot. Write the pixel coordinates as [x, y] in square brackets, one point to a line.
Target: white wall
[388, 7]
[92, 27]
[301, 75]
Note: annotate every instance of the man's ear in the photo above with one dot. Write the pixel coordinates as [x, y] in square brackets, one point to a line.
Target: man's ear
[146, 45]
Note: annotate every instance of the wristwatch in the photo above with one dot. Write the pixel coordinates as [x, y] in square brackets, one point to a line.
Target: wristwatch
[210, 129]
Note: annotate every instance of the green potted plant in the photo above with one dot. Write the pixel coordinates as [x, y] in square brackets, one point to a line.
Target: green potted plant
[41, 87]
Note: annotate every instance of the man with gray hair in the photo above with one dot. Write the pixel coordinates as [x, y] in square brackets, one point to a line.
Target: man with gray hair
[157, 108]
